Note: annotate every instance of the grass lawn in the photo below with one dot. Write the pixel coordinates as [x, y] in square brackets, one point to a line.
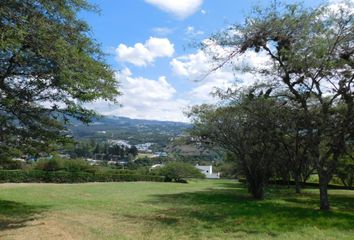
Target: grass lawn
[202, 209]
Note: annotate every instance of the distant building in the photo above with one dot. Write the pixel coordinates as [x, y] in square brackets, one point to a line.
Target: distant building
[208, 171]
[19, 159]
[122, 162]
[64, 156]
[156, 166]
[94, 162]
[121, 143]
[160, 154]
[144, 147]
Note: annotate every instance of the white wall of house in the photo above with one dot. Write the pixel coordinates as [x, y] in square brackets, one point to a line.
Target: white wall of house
[208, 171]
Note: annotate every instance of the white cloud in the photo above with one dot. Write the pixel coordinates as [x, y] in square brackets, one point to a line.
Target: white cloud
[203, 12]
[143, 54]
[145, 99]
[179, 8]
[162, 31]
[198, 67]
[158, 99]
[190, 30]
[335, 6]
[193, 66]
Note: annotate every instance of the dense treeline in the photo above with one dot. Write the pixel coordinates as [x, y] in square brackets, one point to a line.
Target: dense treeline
[101, 151]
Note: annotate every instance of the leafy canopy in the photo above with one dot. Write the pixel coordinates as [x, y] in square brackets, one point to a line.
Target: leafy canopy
[49, 67]
[179, 171]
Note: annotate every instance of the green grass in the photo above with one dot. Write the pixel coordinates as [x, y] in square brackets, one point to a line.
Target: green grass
[199, 210]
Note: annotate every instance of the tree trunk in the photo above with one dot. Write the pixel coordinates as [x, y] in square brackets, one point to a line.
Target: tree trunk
[324, 202]
[257, 190]
[297, 184]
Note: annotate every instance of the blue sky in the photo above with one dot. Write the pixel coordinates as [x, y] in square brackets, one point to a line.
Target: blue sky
[150, 44]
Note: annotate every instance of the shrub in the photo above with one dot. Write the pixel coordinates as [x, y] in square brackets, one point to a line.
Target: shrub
[18, 176]
[11, 164]
[345, 170]
[179, 171]
[58, 164]
[54, 164]
[77, 165]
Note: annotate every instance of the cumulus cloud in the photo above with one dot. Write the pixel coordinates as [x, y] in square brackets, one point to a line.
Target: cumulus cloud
[198, 66]
[143, 54]
[145, 99]
[179, 8]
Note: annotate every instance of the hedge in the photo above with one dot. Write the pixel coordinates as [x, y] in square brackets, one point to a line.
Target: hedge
[21, 176]
[307, 184]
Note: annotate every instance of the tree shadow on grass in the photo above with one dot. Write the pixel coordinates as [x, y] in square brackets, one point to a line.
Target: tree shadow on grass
[232, 210]
[15, 214]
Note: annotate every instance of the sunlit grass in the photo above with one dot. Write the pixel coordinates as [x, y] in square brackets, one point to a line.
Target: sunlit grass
[199, 210]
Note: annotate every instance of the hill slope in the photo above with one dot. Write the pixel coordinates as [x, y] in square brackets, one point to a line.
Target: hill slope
[134, 130]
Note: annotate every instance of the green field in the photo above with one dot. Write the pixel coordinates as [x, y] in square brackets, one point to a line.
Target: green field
[199, 210]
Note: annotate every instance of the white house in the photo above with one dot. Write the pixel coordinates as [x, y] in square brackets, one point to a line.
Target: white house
[156, 166]
[208, 171]
[93, 162]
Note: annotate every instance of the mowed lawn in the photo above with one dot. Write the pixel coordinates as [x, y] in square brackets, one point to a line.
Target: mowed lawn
[201, 209]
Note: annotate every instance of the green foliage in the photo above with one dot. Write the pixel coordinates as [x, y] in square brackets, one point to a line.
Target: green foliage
[100, 150]
[227, 170]
[47, 56]
[57, 164]
[308, 51]
[49, 165]
[345, 170]
[11, 164]
[247, 127]
[179, 172]
[18, 176]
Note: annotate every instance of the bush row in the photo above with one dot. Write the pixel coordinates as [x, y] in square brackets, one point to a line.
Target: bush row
[20, 176]
[307, 184]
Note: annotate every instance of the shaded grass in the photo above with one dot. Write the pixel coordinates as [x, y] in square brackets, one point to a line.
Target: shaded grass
[232, 210]
[202, 209]
[15, 214]
[235, 211]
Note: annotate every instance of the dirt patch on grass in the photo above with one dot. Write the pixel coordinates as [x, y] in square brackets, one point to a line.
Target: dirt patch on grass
[39, 229]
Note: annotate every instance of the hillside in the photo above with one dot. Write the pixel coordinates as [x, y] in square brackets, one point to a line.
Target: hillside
[135, 131]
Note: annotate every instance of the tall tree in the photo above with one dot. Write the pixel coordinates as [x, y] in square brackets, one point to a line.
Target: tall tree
[49, 67]
[247, 126]
[313, 60]
[296, 159]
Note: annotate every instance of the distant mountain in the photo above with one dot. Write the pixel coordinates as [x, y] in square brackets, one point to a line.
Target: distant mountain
[134, 130]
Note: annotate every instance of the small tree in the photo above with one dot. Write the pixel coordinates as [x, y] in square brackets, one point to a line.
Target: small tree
[296, 160]
[179, 172]
[247, 126]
